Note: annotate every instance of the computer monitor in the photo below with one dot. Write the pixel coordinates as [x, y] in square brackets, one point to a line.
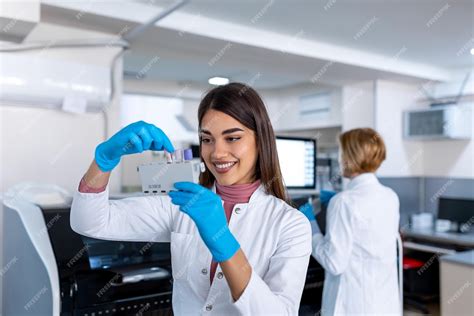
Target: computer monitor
[460, 210]
[297, 157]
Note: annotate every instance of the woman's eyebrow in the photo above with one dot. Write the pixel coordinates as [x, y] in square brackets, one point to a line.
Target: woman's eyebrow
[204, 131]
[232, 130]
[227, 131]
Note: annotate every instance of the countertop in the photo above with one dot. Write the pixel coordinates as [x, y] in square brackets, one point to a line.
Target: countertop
[461, 239]
[465, 258]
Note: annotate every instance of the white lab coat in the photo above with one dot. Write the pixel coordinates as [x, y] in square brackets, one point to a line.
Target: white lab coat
[358, 251]
[275, 237]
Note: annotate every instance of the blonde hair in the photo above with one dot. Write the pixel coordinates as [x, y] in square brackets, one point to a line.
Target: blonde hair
[363, 150]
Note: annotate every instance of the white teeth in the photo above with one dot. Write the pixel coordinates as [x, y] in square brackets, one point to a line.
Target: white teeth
[226, 165]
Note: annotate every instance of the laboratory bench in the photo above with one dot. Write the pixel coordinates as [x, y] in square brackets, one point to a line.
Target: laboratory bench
[428, 240]
[444, 256]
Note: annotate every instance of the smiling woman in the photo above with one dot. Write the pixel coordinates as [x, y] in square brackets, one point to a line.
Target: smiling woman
[237, 247]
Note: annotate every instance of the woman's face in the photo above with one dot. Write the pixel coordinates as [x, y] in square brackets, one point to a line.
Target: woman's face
[228, 148]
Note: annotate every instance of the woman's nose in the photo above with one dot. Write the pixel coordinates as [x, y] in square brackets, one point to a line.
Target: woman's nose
[219, 150]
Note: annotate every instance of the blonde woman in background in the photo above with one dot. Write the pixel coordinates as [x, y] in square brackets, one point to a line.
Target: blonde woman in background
[358, 251]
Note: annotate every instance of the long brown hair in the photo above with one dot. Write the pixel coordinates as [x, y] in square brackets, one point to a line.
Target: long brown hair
[245, 105]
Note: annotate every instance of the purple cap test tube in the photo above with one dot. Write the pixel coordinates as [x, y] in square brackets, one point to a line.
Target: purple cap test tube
[188, 154]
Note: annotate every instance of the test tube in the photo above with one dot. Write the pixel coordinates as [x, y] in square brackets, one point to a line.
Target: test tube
[188, 154]
[178, 155]
[169, 158]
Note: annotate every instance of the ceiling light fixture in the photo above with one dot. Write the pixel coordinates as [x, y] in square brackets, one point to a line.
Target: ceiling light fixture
[218, 81]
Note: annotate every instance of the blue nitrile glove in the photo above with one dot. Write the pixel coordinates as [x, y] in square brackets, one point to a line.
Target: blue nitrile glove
[131, 139]
[205, 209]
[325, 197]
[307, 210]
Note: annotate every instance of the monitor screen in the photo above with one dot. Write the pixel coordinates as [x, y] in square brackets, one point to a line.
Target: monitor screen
[297, 161]
[460, 210]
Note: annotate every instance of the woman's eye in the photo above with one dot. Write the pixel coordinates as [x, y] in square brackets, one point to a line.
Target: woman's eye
[205, 140]
[233, 139]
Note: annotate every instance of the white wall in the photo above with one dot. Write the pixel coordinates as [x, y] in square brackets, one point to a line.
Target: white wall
[404, 158]
[272, 102]
[442, 158]
[46, 146]
[358, 107]
[51, 146]
[380, 105]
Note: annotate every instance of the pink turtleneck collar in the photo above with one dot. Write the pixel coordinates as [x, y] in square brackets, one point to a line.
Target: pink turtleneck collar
[237, 193]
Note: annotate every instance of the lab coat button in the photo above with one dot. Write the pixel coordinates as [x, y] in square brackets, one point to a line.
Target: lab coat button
[204, 271]
[237, 210]
[220, 275]
[209, 307]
